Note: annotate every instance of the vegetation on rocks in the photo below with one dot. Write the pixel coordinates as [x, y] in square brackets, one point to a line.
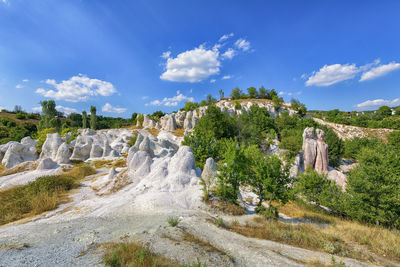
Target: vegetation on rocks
[43, 194]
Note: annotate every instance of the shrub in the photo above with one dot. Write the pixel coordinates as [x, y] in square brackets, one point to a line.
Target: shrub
[173, 221]
[20, 115]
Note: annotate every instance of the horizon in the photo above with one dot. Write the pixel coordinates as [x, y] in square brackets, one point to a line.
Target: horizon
[147, 56]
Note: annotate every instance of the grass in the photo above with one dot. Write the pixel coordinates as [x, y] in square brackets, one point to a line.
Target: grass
[153, 131]
[109, 163]
[132, 141]
[173, 221]
[226, 207]
[179, 132]
[25, 166]
[43, 194]
[338, 237]
[135, 255]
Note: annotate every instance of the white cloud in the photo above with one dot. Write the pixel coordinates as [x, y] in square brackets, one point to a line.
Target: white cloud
[379, 71]
[213, 80]
[145, 97]
[108, 108]
[65, 110]
[166, 54]
[227, 77]
[331, 74]
[4, 1]
[225, 37]
[77, 88]
[25, 80]
[242, 44]
[171, 101]
[37, 109]
[378, 103]
[230, 53]
[192, 65]
[19, 86]
[303, 76]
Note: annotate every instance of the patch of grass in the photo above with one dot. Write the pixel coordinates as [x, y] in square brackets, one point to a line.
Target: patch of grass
[153, 131]
[109, 163]
[219, 222]
[43, 194]
[133, 254]
[173, 221]
[226, 207]
[179, 132]
[2, 168]
[132, 141]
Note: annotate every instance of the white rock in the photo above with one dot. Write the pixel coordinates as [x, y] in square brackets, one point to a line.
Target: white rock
[63, 154]
[51, 145]
[46, 164]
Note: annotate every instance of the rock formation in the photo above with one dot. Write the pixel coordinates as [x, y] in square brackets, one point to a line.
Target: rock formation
[315, 151]
[14, 153]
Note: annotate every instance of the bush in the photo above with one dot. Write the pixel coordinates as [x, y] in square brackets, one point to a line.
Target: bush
[41, 137]
[20, 115]
[173, 221]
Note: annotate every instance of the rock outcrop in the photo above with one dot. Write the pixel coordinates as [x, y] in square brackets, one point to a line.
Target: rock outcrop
[315, 150]
[14, 153]
[209, 173]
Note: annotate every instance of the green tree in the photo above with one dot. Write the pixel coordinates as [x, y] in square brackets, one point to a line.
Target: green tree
[263, 93]
[48, 114]
[335, 146]
[210, 99]
[231, 172]
[311, 185]
[272, 93]
[374, 187]
[252, 91]
[93, 117]
[299, 107]
[384, 111]
[236, 93]
[221, 94]
[277, 101]
[397, 111]
[394, 139]
[268, 177]
[84, 119]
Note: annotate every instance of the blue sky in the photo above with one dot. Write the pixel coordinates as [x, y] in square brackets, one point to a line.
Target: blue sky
[142, 56]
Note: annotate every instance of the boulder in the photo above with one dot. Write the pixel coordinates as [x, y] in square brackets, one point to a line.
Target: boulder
[82, 148]
[46, 164]
[209, 173]
[63, 154]
[51, 145]
[96, 151]
[315, 150]
[16, 153]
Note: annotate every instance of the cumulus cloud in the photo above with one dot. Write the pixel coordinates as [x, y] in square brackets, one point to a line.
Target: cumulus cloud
[230, 53]
[192, 65]
[331, 74]
[171, 101]
[226, 77]
[25, 80]
[213, 80]
[108, 108]
[166, 54]
[225, 37]
[378, 103]
[19, 86]
[379, 71]
[145, 97]
[65, 110]
[242, 44]
[77, 88]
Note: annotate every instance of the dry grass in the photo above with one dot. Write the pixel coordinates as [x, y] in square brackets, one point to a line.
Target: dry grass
[153, 131]
[339, 237]
[179, 132]
[43, 194]
[109, 163]
[133, 254]
[25, 166]
[226, 207]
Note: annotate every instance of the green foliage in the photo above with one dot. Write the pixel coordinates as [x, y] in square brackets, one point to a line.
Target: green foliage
[299, 107]
[311, 185]
[41, 137]
[84, 119]
[140, 119]
[252, 92]
[236, 93]
[263, 93]
[21, 115]
[133, 118]
[221, 94]
[277, 101]
[270, 180]
[394, 139]
[352, 147]
[384, 111]
[49, 113]
[207, 140]
[231, 172]
[173, 221]
[374, 187]
[157, 115]
[132, 141]
[93, 117]
[238, 106]
[335, 146]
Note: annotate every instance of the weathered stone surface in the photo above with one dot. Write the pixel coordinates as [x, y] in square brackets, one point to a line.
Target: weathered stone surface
[209, 173]
[51, 145]
[96, 151]
[315, 151]
[46, 164]
[63, 154]
[14, 153]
